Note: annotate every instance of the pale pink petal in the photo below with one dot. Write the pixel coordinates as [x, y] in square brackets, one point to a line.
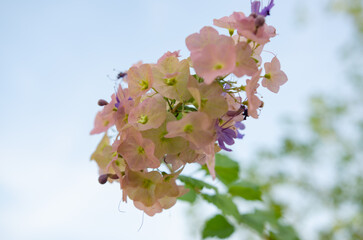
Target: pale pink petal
[197, 41]
[138, 152]
[253, 101]
[151, 211]
[245, 65]
[227, 22]
[151, 113]
[215, 60]
[196, 127]
[162, 144]
[208, 97]
[139, 80]
[171, 78]
[169, 54]
[102, 123]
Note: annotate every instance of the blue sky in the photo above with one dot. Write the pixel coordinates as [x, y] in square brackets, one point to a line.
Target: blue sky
[55, 58]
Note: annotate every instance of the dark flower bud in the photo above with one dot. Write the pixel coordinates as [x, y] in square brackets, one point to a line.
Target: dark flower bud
[259, 21]
[102, 102]
[254, 15]
[103, 178]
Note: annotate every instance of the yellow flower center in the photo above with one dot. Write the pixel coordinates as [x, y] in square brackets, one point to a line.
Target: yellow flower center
[268, 76]
[218, 67]
[143, 119]
[140, 150]
[170, 81]
[188, 128]
[144, 84]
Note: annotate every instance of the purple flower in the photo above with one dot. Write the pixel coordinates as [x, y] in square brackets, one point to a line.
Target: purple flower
[256, 5]
[239, 126]
[225, 136]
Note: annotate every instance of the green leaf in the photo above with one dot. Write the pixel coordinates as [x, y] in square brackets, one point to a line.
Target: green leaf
[258, 220]
[246, 190]
[226, 169]
[190, 196]
[224, 203]
[196, 184]
[218, 226]
[284, 233]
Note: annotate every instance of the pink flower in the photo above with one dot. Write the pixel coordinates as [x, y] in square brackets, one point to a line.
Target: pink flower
[140, 186]
[105, 118]
[208, 98]
[197, 41]
[139, 80]
[227, 22]
[150, 113]
[137, 151]
[274, 77]
[165, 145]
[105, 156]
[124, 104]
[212, 55]
[249, 28]
[245, 65]
[151, 210]
[165, 202]
[152, 192]
[171, 78]
[196, 127]
[253, 101]
[169, 54]
[256, 49]
[187, 155]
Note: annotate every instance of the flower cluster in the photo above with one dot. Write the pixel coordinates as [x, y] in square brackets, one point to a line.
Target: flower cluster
[178, 111]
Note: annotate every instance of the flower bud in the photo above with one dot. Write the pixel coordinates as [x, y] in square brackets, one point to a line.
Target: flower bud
[103, 178]
[102, 102]
[259, 21]
[254, 15]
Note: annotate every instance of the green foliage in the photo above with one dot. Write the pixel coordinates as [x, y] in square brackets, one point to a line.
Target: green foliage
[284, 232]
[261, 220]
[218, 226]
[227, 170]
[266, 223]
[196, 184]
[258, 220]
[223, 203]
[353, 8]
[190, 196]
[246, 190]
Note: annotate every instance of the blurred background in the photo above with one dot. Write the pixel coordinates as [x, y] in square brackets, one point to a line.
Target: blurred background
[59, 57]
